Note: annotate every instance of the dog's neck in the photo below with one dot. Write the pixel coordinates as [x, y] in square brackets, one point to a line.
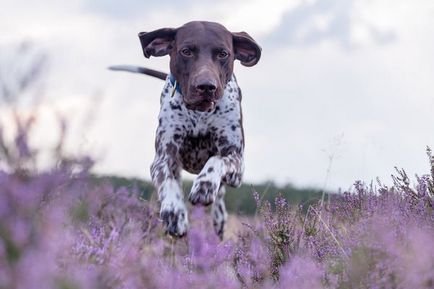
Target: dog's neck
[176, 98]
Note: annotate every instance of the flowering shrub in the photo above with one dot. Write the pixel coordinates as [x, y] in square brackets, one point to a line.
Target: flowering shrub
[60, 229]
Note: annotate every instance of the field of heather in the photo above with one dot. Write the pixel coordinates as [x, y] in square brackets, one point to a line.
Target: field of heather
[61, 229]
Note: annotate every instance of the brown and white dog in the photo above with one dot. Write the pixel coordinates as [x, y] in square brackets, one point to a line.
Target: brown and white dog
[200, 122]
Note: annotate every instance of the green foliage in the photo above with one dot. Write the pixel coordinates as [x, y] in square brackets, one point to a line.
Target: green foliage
[12, 250]
[238, 200]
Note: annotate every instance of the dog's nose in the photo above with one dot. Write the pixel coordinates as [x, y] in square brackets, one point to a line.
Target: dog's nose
[206, 87]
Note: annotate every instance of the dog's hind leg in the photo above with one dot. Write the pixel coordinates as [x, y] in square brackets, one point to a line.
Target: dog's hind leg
[218, 212]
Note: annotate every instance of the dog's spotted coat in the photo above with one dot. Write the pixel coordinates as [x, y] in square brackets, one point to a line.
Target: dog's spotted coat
[200, 122]
[210, 144]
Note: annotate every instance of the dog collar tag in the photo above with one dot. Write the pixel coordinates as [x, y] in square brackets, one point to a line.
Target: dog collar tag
[175, 85]
[174, 88]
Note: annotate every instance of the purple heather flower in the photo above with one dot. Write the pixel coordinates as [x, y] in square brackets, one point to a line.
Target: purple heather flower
[302, 273]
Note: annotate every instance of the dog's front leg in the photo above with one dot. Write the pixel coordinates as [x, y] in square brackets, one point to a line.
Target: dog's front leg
[228, 169]
[165, 173]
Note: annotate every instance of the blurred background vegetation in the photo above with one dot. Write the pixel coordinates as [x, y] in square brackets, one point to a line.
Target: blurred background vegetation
[238, 200]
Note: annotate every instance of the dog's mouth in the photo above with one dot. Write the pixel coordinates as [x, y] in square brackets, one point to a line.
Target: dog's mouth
[202, 102]
[202, 105]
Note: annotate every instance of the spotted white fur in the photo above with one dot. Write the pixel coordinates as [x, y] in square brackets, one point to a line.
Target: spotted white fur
[210, 144]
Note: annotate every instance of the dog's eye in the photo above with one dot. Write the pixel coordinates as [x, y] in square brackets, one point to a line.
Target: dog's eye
[186, 52]
[222, 54]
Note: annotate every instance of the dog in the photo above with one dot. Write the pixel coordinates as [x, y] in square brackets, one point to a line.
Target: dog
[200, 125]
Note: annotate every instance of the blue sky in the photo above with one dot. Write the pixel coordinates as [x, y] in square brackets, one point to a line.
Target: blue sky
[346, 83]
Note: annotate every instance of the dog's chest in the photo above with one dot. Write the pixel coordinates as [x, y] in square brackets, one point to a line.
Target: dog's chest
[200, 135]
[175, 115]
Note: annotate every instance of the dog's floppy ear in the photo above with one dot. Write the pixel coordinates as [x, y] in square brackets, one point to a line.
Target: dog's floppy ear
[158, 42]
[246, 49]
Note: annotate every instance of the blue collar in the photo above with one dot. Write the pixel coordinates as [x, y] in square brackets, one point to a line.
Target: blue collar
[174, 82]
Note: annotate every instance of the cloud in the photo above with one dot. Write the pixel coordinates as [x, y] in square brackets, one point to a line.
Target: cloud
[313, 22]
[134, 9]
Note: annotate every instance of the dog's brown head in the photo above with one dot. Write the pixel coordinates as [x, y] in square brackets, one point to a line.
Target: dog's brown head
[202, 57]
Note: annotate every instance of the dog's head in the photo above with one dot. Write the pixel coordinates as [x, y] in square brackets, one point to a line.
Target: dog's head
[202, 58]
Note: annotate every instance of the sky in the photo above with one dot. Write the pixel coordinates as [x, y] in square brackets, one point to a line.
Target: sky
[343, 91]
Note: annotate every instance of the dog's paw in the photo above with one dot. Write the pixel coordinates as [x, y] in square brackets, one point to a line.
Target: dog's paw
[204, 191]
[234, 179]
[175, 219]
